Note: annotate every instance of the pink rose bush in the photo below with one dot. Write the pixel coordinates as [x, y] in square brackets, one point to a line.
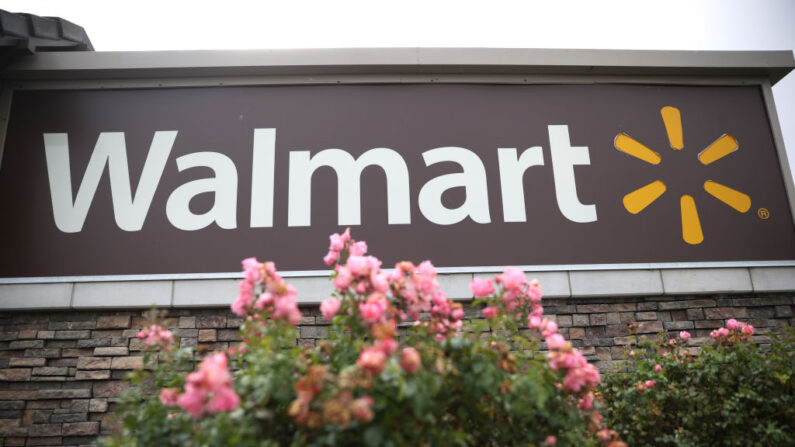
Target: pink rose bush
[156, 336]
[716, 390]
[734, 332]
[401, 365]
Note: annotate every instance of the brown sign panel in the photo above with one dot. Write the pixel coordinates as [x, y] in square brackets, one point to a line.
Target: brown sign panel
[192, 180]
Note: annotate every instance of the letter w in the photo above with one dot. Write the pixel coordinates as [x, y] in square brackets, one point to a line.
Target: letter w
[110, 149]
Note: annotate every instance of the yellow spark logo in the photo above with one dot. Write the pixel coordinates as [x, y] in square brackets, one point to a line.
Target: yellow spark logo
[637, 200]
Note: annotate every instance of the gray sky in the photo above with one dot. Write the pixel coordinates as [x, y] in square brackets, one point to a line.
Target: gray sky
[604, 24]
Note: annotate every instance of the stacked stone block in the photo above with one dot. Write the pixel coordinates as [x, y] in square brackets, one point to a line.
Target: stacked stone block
[62, 372]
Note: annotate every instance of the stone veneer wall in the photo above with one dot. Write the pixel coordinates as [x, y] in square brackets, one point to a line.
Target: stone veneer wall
[61, 371]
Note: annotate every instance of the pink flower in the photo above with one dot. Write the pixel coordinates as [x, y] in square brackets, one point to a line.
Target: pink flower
[372, 359]
[556, 341]
[748, 330]
[457, 314]
[490, 312]
[192, 400]
[481, 287]
[358, 248]
[657, 367]
[360, 409]
[168, 396]
[549, 327]
[551, 441]
[723, 332]
[426, 268]
[330, 307]
[511, 278]
[286, 308]
[586, 402]
[387, 346]
[331, 257]
[156, 336]
[252, 270]
[410, 360]
[336, 243]
[684, 335]
[731, 324]
[534, 291]
[210, 388]
[373, 309]
[245, 297]
[649, 383]
[379, 281]
[358, 265]
[223, 399]
[343, 279]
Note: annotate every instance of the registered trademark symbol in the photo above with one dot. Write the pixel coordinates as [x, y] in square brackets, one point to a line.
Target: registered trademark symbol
[763, 213]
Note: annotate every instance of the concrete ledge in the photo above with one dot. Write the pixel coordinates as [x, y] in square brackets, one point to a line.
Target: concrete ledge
[121, 294]
[35, 296]
[311, 289]
[681, 281]
[616, 282]
[773, 279]
[204, 292]
[314, 289]
[555, 284]
[456, 285]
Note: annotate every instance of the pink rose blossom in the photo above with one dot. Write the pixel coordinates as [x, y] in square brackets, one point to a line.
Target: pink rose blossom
[361, 409]
[556, 341]
[331, 257]
[330, 307]
[731, 324]
[168, 396]
[649, 383]
[358, 265]
[481, 287]
[252, 270]
[192, 400]
[210, 388]
[343, 279]
[586, 402]
[684, 335]
[336, 243]
[549, 327]
[551, 441]
[387, 346]
[223, 399]
[156, 336]
[264, 300]
[426, 268]
[410, 360]
[657, 367]
[358, 248]
[511, 278]
[534, 291]
[748, 330]
[379, 281]
[457, 314]
[373, 309]
[490, 312]
[372, 359]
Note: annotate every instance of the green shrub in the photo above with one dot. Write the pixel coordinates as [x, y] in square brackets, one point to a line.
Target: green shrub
[731, 393]
[401, 366]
